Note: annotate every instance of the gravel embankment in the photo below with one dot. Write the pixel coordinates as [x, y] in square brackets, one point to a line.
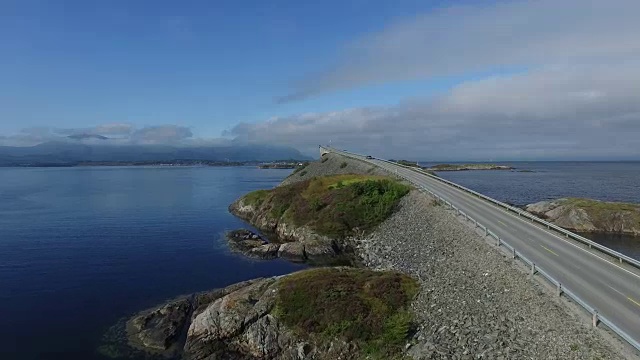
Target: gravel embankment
[333, 165]
[475, 302]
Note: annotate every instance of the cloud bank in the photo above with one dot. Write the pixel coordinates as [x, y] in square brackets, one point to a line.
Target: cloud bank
[116, 133]
[470, 39]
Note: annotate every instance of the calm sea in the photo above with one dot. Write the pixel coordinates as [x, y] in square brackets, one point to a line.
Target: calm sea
[608, 181]
[82, 247]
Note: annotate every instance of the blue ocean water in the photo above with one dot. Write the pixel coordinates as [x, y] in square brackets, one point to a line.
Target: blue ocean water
[607, 181]
[82, 247]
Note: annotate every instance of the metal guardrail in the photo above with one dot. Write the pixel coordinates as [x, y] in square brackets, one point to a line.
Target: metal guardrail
[534, 269]
[621, 257]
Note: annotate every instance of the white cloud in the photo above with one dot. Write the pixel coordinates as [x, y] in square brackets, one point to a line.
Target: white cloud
[467, 39]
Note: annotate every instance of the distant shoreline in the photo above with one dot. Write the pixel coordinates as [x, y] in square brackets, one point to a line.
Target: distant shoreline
[170, 163]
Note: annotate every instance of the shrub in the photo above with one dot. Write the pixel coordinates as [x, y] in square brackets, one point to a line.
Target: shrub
[356, 305]
[303, 173]
[335, 206]
[343, 165]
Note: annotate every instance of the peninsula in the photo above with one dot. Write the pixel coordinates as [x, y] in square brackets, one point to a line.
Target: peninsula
[418, 288]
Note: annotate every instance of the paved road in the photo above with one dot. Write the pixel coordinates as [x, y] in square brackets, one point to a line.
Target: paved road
[605, 285]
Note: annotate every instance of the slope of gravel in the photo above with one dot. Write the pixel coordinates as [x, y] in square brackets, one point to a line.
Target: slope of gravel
[475, 303]
[333, 165]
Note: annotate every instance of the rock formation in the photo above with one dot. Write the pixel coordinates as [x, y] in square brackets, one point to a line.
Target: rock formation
[586, 215]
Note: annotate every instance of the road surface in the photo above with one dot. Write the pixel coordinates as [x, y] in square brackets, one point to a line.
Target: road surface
[613, 290]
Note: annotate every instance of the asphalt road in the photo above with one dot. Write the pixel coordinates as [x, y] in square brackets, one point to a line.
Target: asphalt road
[613, 290]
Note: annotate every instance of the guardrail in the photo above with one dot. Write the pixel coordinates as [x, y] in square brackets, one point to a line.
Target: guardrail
[560, 289]
[591, 244]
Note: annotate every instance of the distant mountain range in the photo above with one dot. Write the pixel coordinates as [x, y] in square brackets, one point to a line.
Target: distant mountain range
[69, 153]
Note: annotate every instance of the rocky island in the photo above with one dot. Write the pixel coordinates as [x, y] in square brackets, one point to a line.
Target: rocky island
[587, 215]
[426, 285]
[465, 167]
[454, 167]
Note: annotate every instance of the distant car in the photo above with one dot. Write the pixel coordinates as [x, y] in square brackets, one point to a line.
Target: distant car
[369, 157]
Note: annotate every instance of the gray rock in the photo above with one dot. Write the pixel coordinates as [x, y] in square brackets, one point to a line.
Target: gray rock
[264, 252]
[160, 328]
[292, 251]
[320, 251]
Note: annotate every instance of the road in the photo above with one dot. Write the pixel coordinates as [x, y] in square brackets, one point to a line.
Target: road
[610, 288]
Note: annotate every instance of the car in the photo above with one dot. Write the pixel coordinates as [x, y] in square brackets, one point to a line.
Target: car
[369, 157]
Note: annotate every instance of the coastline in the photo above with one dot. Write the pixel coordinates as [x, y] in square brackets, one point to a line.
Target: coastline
[469, 304]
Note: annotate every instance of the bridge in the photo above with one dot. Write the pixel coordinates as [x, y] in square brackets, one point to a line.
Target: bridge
[602, 281]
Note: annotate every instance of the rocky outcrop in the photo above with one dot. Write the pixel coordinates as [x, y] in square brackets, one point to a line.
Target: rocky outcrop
[586, 215]
[236, 322]
[334, 164]
[294, 243]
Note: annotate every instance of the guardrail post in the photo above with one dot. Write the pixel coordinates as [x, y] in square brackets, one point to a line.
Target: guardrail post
[514, 253]
[620, 260]
[486, 231]
[476, 222]
[498, 242]
[533, 270]
[559, 289]
[594, 319]
[466, 217]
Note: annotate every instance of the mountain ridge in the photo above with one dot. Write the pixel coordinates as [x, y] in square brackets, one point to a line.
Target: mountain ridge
[61, 152]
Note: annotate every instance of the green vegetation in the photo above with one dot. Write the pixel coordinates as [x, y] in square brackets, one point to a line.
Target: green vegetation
[362, 306]
[602, 212]
[337, 206]
[256, 198]
[343, 165]
[303, 173]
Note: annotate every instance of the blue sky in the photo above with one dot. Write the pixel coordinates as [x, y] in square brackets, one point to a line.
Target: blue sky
[207, 65]
[508, 79]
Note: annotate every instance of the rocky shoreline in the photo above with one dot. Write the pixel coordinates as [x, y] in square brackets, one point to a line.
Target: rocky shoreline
[474, 302]
[590, 216]
[255, 246]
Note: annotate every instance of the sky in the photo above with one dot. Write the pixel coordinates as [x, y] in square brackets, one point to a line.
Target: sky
[428, 80]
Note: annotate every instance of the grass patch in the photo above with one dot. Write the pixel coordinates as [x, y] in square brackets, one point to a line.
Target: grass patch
[343, 165]
[603, 212]
[336, 206]
[357, 305]
[256, 198]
